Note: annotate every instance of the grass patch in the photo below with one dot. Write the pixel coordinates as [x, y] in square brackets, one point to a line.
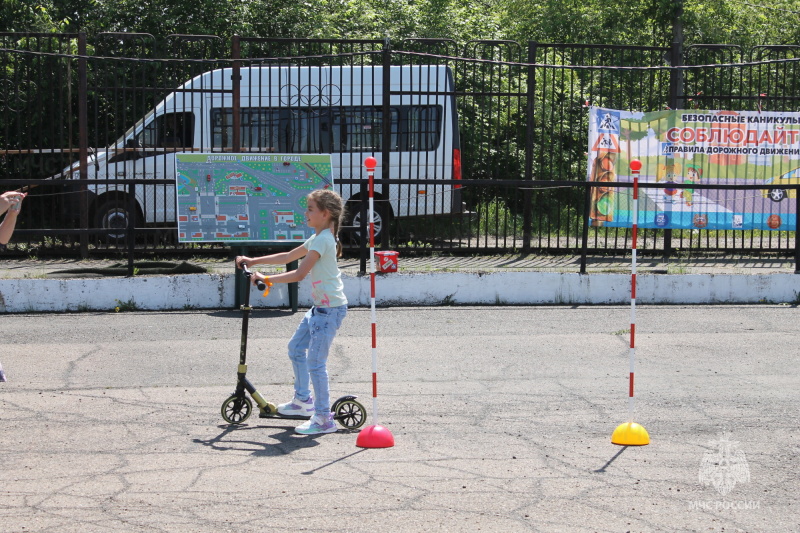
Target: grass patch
[129, 305]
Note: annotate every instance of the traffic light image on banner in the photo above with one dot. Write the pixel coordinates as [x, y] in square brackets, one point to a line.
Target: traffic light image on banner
[602, 199]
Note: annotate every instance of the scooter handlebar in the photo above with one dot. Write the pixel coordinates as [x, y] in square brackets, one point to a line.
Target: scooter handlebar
[260, 284]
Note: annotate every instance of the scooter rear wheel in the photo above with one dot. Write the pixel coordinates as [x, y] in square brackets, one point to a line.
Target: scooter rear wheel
[236, 409]
[350, 414]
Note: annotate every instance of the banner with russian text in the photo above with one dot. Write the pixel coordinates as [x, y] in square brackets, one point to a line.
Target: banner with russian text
[680, 148]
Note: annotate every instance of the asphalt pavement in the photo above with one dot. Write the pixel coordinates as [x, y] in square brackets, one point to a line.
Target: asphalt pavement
[502, 419]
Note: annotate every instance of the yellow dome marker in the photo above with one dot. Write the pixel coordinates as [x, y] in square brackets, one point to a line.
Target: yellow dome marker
[630, 434]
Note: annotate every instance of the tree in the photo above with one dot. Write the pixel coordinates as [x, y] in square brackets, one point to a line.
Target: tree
[650, 22]
[25, 16]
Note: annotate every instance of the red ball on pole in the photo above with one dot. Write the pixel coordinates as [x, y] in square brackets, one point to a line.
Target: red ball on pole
[635, 165]
[370, 163]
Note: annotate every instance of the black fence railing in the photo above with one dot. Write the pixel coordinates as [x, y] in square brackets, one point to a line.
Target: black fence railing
[482, 145]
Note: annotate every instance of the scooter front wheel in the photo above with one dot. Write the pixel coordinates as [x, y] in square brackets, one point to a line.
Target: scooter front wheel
[350, 414]
[236, 409]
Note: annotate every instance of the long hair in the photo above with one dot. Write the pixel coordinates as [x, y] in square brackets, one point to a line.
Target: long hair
[330, 201]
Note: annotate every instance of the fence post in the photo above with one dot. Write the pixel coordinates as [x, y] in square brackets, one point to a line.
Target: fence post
[83, 144]
[796, 231]
[675, 98]
[130, 234]
[236, 85]
[529, 141]
[363, 247]
[527, 213]
[386, 138]
[587, 204]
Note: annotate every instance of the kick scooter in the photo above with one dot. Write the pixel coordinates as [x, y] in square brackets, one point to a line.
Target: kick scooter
[237, 408]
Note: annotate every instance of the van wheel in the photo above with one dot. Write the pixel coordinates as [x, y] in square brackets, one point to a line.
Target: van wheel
[113, 216]
[776, 195]
[381, 218]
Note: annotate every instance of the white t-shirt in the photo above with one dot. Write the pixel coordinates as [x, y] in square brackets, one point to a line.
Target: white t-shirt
[327, 289]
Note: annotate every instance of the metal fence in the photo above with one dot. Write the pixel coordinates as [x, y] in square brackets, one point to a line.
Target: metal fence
[514, 180]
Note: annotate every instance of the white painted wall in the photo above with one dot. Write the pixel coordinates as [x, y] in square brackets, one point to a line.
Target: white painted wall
[216, 291]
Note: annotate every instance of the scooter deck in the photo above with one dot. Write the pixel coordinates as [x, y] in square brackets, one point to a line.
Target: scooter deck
[262, 414]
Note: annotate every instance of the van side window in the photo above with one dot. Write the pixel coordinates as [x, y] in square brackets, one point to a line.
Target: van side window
[306, 131]
[259, 129]
[328, 129]
[171, 131]
[360, 129]
[424, 126]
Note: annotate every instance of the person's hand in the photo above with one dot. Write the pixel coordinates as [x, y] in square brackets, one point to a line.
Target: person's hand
[242, 260]
[258, 278]
[11, 200]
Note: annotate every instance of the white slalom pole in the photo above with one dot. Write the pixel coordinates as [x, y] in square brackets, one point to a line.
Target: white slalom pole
[374, 436]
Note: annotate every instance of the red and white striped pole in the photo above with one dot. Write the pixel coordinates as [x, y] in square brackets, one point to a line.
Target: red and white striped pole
[635, 166]
[374, 436]
[370, 164]
[631, 433]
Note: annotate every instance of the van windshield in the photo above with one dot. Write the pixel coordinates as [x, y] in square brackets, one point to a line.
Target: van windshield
[171, 131]
[129, 132]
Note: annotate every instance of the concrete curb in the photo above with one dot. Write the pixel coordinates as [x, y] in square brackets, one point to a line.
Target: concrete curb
[217, 291]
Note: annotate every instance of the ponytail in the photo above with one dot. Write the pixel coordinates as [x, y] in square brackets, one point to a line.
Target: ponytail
[335, 231]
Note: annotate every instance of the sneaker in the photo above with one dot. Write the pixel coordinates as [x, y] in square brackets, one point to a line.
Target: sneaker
[317, 425]
[297, 407]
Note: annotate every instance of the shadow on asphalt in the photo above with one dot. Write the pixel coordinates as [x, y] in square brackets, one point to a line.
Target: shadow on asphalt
[260, 311]
[602, 469]
[240, 439]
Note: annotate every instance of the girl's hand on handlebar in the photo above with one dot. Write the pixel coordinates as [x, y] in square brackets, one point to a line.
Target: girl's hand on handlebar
[262, 282]
[243, 260]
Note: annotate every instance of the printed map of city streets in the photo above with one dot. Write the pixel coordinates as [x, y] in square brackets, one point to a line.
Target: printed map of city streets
[247, 197]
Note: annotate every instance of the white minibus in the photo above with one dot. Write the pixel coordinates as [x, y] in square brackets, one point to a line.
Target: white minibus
[292, 109]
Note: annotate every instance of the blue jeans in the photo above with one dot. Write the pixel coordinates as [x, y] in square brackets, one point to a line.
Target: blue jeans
[308, 351]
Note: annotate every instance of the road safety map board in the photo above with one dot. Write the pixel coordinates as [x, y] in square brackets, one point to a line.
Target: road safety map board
[247, 197]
